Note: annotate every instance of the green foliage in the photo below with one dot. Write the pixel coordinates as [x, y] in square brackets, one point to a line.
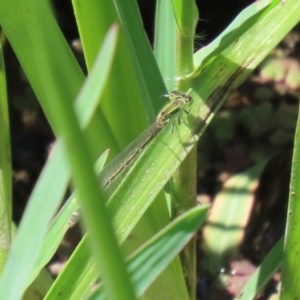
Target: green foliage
[5, 169]
[119, 98]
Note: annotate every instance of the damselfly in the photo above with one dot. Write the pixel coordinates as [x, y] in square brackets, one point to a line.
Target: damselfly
[178, 102]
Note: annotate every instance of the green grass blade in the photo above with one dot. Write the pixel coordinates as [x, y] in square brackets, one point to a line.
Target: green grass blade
[264, 273]
[24, 37]
[291, 262]
[241, 23]
[77, 276]
[88, 98]
[145, 178]
[157, 163]
[65, 218]
[122, 103]
[144, 265]
[149, 260]
[93, 25]
[102, 238]
[224, 230]
[147, 70]
[186, 14]
[5, 169]
[183, 184]
[57, 167]
[74, 284]
[142, 56]
[187, 17]
[165, 42]
[40, 286]
[33, 226]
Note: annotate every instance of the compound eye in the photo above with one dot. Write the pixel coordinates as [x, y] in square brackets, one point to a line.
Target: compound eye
[173, 96]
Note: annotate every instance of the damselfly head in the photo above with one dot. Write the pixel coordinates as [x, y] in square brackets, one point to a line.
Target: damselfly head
[180, 97]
